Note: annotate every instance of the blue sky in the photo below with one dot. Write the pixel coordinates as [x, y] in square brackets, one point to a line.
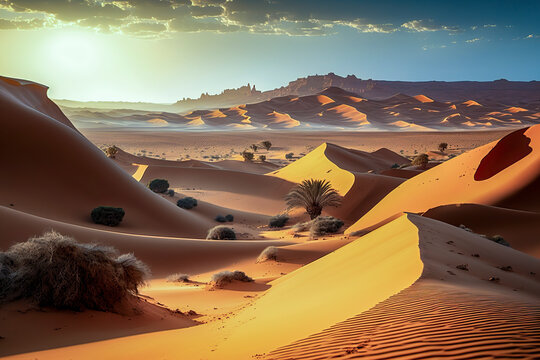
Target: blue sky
[163, 50]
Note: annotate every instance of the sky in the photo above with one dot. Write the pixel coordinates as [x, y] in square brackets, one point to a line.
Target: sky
[165, 50]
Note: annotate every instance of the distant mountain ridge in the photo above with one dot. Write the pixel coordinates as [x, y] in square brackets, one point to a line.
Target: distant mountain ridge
[499, 91]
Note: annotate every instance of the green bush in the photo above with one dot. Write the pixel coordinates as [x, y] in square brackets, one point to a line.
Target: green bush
[57, 271]
[221, 233]
[266, 144]
[278, 221]
[187, 203]
[323, 225]
[107, 215]
[170, 192]
[247, 155]
[158, 185]
[289, 156]
[229, 218]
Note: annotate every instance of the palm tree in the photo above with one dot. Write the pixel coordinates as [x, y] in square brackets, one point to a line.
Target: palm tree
[313, 195]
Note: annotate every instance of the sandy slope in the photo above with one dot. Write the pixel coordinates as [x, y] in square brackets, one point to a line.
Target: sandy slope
[346, 170]
[59, 174]
[409, 251]
[504, 173]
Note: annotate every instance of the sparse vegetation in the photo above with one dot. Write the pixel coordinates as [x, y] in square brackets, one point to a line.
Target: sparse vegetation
[178, 277]
[254, 147]
[107, 215]
[220, 218]
[225, 277]
[158, 185]
[499, 240]
[170, 192]
[268, 254]
[313, 195]
[421, 161]
[266, 144]
[443, 146]
[247, 155]
[221, 233]
[395, 166]
[299, 227]
[289, 156]
[187, 203]
[262, 158]
[278, 221]
[229, 217]
[111, 151]
[57, 271]
[324, 225]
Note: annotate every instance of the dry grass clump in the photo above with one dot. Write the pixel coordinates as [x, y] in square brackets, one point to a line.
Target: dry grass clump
[278, 221]
[57, 271]
[324, 225]
[225, 277]
[178, 277]
[221, 233]
[268, 254]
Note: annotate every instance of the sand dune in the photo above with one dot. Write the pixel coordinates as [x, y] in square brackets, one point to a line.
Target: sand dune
[331, 108]
[76, 175]
[360, 314]
[504, 173]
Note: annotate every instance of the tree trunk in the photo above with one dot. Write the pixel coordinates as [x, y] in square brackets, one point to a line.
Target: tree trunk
[313, 211]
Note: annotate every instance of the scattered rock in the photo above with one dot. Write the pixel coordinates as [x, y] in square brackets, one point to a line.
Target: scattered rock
[464, 267]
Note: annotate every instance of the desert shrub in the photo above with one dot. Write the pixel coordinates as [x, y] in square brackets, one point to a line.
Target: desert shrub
[107, 215]
[299, 227]
[253, 147]
[229, 217]
[323, 225]
[170, 192]
[313, 195]
[395, 166]
[111, 151]
[224, 277]
[289, 156]
[158, 185]
[262, 158]
[266, 144]
[443, 146]
[187, 203]
[221, 233]
[220, 218]
[421, 161]
[247, 155]
[57, 271]
[278, 221]
[178, 277]
[499, 240]
[268, 254]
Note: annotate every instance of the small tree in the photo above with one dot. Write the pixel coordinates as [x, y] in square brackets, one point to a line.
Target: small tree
[247, 155]
[443, 146]
[253, 147]
[313, 195]
[111, 151]
[421, 160]
[158, 185]
[266, 144]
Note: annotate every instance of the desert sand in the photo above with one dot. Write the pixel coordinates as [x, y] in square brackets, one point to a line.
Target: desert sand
[413, 273]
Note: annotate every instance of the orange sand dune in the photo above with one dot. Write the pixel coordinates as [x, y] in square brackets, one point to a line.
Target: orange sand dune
[345, 115]
[58, 174]
[383, 279]
[423, 99]
[504, 173]
[518, 227]
[515, 109]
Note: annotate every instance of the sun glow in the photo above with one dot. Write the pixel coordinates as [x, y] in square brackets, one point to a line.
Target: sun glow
[72, 51]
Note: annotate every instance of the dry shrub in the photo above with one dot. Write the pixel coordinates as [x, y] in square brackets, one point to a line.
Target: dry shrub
[268, 254]
[178, 277]
[57, 271]
[225, 277]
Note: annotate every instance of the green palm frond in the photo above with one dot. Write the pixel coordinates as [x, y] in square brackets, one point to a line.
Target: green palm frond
[309, 193]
